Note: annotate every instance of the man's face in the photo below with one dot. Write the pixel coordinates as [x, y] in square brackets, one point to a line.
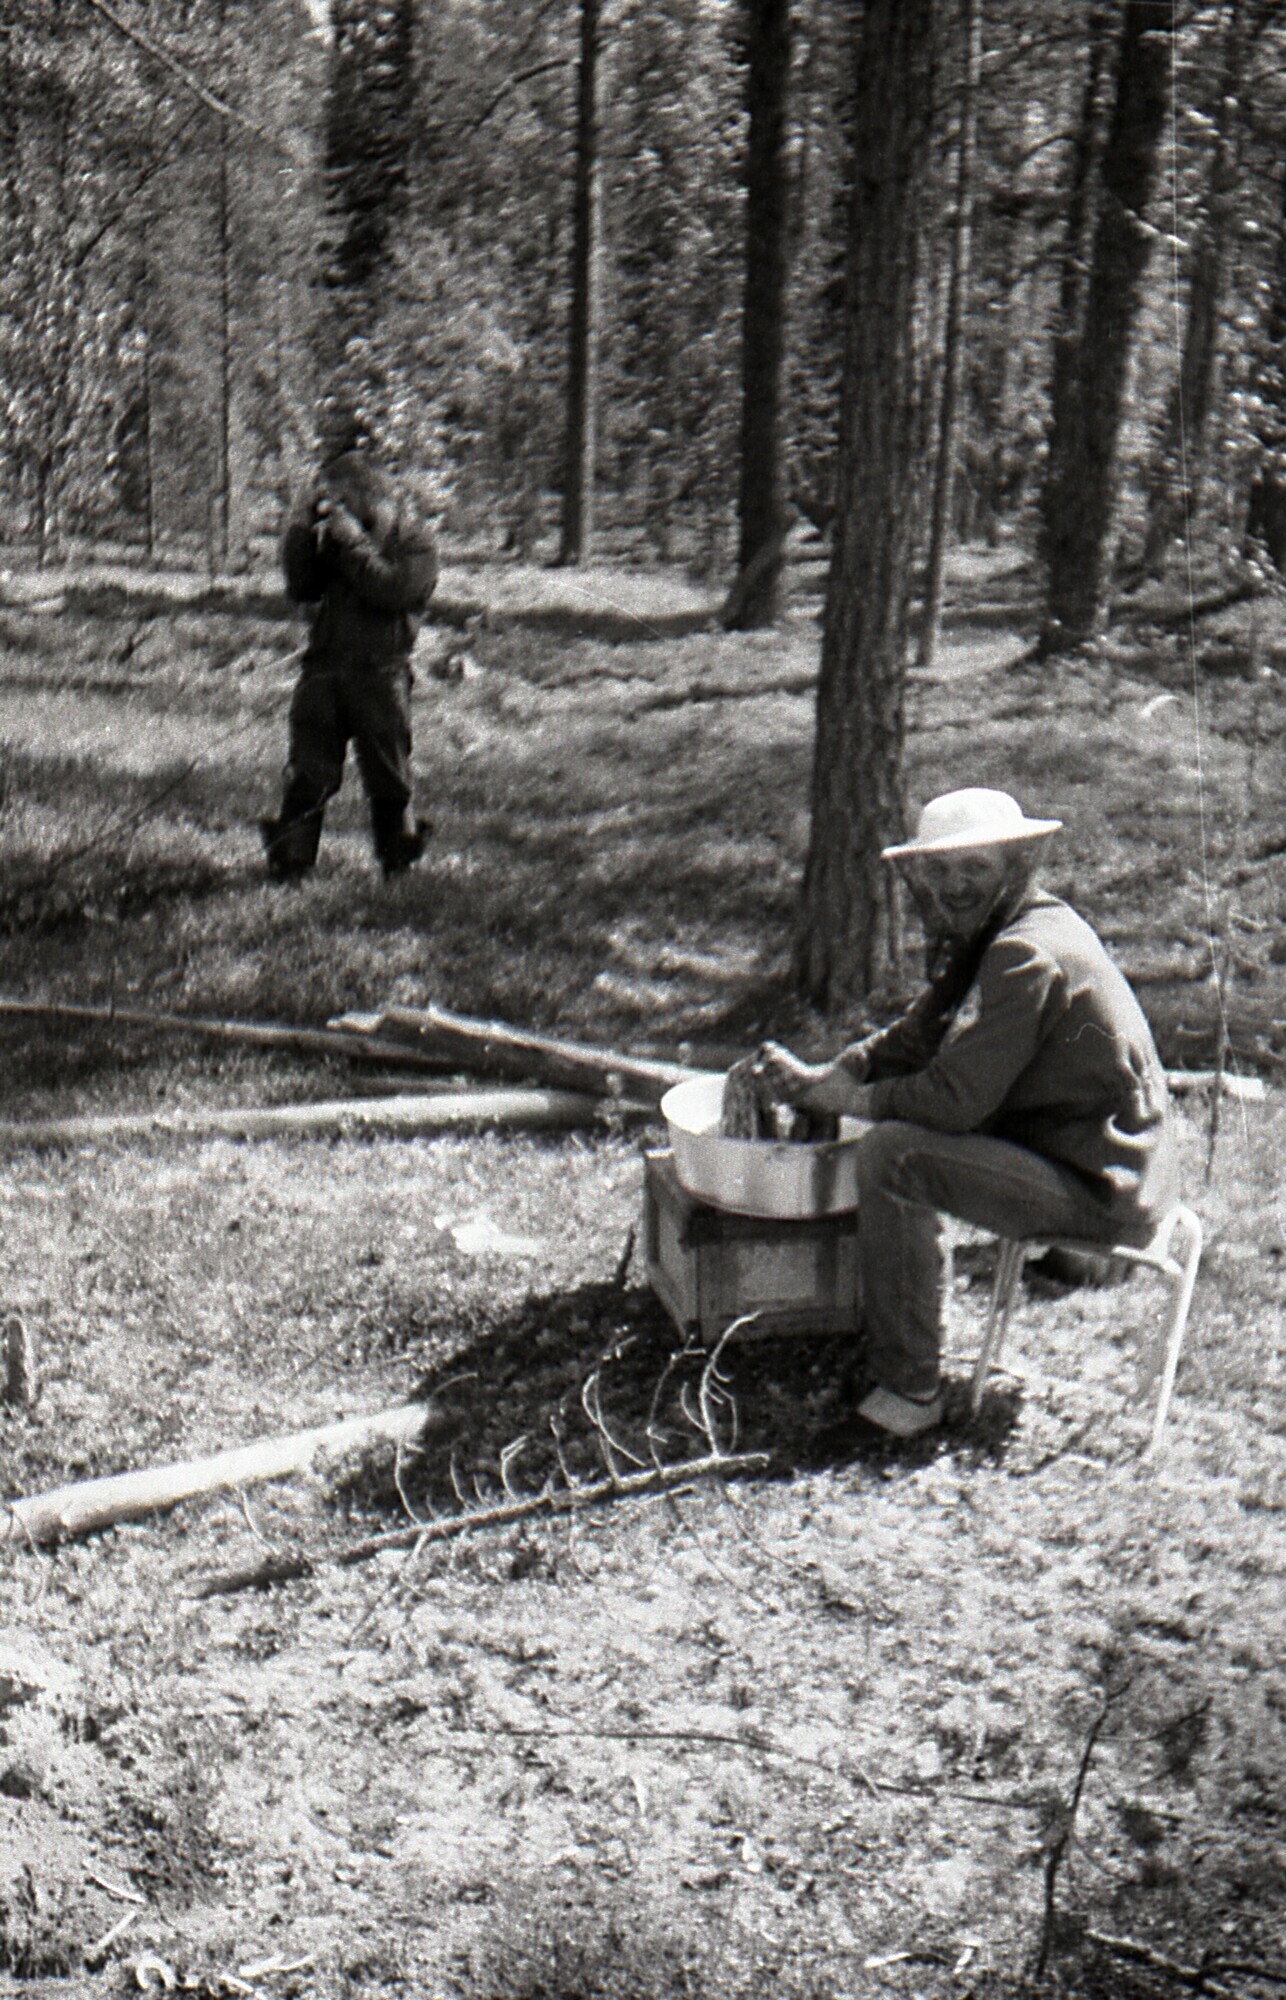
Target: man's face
[956, 893]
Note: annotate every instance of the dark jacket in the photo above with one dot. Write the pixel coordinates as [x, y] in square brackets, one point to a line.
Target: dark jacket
[1047, 1048]
[369, 584]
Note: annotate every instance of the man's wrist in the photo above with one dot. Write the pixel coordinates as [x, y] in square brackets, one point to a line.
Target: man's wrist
[862, 1103]
[834, 1090]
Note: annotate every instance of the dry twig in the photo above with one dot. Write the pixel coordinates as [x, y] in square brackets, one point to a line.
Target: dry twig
[549, 1501]
[1056, 1848]
[1200, 1977]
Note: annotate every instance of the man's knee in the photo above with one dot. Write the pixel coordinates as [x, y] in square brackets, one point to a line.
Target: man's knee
[308, 785]
[882, 1150]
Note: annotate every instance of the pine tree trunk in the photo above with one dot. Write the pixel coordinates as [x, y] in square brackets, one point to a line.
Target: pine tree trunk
[1266, 512]
[1091, 388]
[149, 427]
[370, 128]
[954, 343]
[1079, 231]
[582, 374]
[223, 492]
[761, 500]
[857, 796]
[1181, 457]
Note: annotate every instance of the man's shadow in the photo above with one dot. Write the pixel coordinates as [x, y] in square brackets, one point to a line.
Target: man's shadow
[596, 1384]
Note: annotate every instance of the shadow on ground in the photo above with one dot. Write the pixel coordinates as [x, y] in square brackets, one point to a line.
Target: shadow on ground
[597, 1382]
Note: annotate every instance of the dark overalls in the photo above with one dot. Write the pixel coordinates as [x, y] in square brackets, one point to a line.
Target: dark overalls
[367, 586]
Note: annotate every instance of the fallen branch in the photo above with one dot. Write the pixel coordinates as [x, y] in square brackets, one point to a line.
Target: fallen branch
[1199, 1977]
[496, 1049]
[720, 1738]
[1182, 611]
[208, 98]
[95, 1953]
[552, 1500]
[255, 1034]
[92, 1504]
[704, 691]
[1246, 1089]
[417, 1117]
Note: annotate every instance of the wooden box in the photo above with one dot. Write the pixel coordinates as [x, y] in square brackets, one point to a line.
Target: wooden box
[708, 1267]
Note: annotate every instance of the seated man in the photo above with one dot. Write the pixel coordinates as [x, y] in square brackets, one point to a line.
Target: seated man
[1022, 1092]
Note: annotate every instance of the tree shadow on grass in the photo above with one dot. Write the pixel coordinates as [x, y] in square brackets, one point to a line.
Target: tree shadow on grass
[610, 625]
[597, 1382]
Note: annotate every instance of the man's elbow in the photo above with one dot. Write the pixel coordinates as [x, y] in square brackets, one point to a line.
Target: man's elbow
[421, 579]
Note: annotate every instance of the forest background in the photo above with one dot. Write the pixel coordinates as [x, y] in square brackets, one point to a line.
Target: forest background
[677, 280]
[816, 401]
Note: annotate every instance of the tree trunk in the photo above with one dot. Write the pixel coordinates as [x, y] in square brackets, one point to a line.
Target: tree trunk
[370, 128]
[954, 343]
[1079, 229]
[857, 792]
[146, 311]
[223, 491]
[761, 499]
[1266, 513]
[582, 372]
[1183, 449]
[1078, 502]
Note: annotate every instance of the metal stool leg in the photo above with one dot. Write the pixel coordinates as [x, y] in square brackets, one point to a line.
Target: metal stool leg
[1009, 1264]
[1184, 1279]
[1178, 1266]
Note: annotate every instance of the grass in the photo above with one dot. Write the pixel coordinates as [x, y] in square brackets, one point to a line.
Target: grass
[599, 804]
[814, 1734]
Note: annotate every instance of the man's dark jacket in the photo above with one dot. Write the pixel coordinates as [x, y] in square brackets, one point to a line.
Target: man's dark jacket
[1048, 1048]
[369, 589]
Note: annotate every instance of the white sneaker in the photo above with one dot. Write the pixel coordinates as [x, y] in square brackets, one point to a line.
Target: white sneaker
[902, 1416]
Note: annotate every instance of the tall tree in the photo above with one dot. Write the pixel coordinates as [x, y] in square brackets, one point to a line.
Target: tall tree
[1266, 511]
[369, 131]
[953, 357]
[1078, 500]
[581, 455]
[221, 536]
[1179, 466]
[761, 494]
[857, 788]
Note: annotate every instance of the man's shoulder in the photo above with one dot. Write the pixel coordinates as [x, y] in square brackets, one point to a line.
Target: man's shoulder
[1050, 932]
[1046, 922]
[1043, 939]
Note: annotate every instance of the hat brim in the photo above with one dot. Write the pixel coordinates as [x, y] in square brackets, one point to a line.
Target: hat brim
[957, 843]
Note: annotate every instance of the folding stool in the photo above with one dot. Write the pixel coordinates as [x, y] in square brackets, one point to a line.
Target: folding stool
[1176, 1263]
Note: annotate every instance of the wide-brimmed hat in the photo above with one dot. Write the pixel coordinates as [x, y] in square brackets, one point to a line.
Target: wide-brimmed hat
[971, 818]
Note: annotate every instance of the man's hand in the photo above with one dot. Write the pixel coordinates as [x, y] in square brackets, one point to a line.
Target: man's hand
[336, 523]
[825, 1087]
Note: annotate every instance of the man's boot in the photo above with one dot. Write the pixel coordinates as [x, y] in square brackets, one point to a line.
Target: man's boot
[396, 844]
[290, 846]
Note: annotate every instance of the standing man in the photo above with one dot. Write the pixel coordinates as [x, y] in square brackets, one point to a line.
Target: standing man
[358, 554]
[1022, 1092]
